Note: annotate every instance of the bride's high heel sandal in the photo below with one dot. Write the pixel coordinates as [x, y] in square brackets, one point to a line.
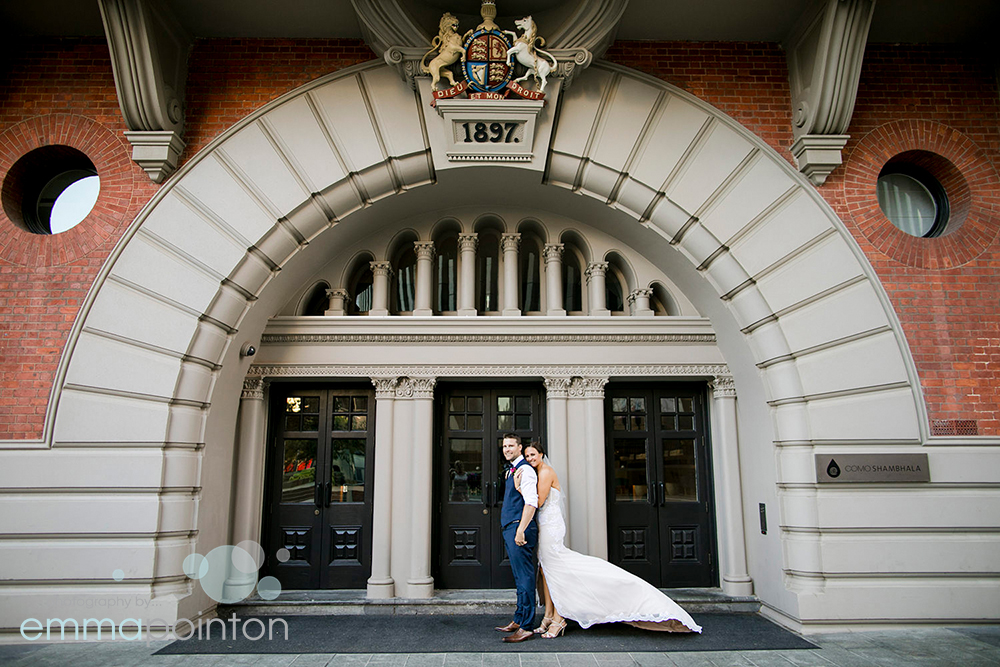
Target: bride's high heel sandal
[556, 628]
[546, 622]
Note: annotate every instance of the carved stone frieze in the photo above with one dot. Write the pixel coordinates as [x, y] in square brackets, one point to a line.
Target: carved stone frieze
[409, 372]
[587, 387]
[385, 387]
[423, 387]
[485, 338]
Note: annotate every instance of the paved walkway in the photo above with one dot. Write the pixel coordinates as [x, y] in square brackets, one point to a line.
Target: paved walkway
[974, 646]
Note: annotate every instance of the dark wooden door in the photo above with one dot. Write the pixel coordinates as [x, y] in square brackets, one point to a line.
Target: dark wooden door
[471, 475]
[660, 518]
[320, 475]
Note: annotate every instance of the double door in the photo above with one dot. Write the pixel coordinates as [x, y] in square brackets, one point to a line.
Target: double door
[660, 518]
[320, 470]
[471, 474]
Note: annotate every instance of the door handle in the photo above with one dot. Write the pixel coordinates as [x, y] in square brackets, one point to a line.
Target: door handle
[327, 490]
[496, 495]
[318, 494]
[486, 494]
[663, 495]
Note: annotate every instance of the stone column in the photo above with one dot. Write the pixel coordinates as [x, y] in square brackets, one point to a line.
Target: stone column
[425, 277]
[595, 288]
[726, 457]
[593, 395]
[380, 288]
[381, 584]
[638, 299]
[249, 483]
[577, 506]
[421, 583]
[467, 244]
[556, 393]
[553, 278]
[510, 243]
[338, 297]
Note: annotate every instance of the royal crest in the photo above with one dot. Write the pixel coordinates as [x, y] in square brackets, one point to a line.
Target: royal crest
[485, 61]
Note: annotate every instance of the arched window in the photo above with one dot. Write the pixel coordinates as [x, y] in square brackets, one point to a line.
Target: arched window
[487, 271]
[446, 285]
[317, 301]
[614, 290]
[531, 286]
[406, 280]
[360, 290]
[572, 281]
[662, 302]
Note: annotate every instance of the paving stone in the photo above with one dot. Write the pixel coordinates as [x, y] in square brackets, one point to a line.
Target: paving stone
[425, 660]
[691, 659]
[765, 659]
[653, 659]
[313, 659]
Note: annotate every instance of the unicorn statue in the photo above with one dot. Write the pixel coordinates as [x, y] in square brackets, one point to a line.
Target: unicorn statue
[527, 49]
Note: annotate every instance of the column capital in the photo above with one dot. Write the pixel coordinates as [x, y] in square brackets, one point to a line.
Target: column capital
[338, 293]
[415, 387]
[468, 241]
[596, 269]
[553, 252]
[639, 294]
[424, 249]
[723, 386]
[385, 387]
[253, 388]
[592, 387]
[557, 387]
[381, 268]
[510, 242]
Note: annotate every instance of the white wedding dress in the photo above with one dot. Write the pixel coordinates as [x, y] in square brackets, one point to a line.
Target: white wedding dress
[590, 590]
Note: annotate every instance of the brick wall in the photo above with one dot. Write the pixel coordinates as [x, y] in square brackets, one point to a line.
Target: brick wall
[949, 315]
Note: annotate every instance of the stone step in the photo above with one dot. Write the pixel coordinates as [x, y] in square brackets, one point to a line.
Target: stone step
[494, 602]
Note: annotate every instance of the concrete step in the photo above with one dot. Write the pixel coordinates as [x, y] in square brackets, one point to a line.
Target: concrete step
[495, 602]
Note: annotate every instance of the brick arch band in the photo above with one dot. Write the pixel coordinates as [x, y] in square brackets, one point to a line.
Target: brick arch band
[814, 319]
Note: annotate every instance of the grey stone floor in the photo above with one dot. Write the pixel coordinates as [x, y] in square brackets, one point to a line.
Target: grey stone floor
[974, 646]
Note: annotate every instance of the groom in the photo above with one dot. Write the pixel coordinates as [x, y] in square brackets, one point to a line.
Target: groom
[520, 534]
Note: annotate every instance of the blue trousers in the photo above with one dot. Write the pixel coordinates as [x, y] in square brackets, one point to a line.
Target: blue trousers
[524, 565]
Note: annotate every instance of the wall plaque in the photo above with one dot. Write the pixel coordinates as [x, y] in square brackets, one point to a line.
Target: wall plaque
[839, 468]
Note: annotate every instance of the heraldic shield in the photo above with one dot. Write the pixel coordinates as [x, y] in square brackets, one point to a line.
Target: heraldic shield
[485, 60]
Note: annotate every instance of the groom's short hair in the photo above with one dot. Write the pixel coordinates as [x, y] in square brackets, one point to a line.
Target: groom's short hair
[512, 436]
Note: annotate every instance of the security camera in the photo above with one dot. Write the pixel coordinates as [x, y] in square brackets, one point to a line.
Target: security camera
[248, 350]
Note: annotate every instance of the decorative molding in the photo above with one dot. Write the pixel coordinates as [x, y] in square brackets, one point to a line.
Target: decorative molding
[396, 339]
[381, 268]
[253, 388]
[825, 51]
[557, 387]
[411, 372]
[723, 386]
[423, 387]
[149, 52]
[641, 293]
[596, 269]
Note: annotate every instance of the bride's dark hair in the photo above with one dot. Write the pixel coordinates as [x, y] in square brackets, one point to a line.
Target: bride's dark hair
[537, 444]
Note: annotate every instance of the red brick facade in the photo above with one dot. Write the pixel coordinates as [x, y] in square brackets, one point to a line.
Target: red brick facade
[63, 90]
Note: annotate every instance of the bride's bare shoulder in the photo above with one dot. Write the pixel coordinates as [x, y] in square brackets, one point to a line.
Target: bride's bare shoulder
[548, 474]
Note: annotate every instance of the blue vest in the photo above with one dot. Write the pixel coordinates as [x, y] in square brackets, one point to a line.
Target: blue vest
[513, 501]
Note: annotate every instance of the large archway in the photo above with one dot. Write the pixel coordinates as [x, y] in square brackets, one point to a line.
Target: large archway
[815, 349]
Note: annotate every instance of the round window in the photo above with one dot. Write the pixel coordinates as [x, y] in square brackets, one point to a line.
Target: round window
[913, 200]
[50, 190]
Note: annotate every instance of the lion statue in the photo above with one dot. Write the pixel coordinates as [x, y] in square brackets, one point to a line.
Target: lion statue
[448, 44]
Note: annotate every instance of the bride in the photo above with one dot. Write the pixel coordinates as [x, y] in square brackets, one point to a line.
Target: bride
[586, 589]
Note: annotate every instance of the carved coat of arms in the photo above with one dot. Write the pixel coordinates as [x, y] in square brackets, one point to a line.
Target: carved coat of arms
[488, 55]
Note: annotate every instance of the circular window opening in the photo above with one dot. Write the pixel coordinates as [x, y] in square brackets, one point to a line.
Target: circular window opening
[50, 190]
[913, 200]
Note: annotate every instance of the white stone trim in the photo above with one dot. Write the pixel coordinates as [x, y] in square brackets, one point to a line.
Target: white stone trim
[284, 339]
[412, 373]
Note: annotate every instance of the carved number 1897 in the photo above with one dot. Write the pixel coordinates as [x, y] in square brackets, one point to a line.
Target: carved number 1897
[494, 132]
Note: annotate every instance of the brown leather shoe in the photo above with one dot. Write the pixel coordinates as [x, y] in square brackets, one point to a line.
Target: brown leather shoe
[510, 627]
[519, 635]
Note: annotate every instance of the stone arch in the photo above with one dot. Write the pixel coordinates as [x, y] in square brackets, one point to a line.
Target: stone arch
[326, 155]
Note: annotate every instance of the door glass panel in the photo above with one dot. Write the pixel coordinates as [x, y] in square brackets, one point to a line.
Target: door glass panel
[668, 422]
[475, 404]
[619, 405]
[505, 422]
[631, 480]
[503, 404]
[523, 404]
[456, 422]
[456, 404]
[619, 422]
[341, 403]
[523, 423]
[360, 403]
[680, 479]
[637, 404]
[359, 423]
[668, 405]
[475, 422]
[465, 470]
[686, 404]
[299, 472]
[638, 423]
[310, 422]
[348, 470]
[685, 422]
[302, 413]
[340, 422]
